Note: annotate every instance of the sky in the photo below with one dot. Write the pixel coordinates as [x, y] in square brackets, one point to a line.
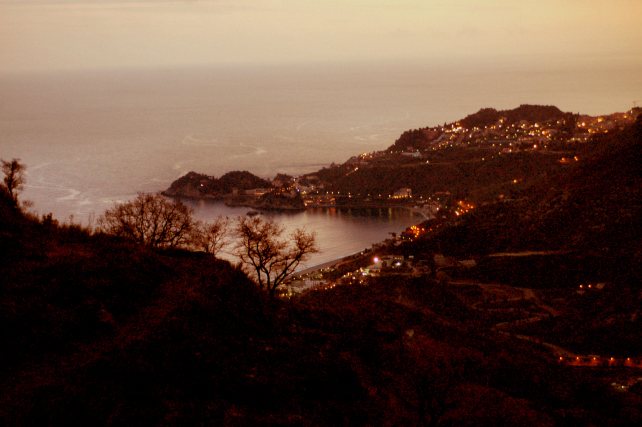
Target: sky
[37, 35]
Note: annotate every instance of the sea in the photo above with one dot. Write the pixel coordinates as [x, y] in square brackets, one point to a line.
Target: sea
[93, 138]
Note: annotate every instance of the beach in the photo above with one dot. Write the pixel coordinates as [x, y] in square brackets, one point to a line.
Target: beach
[321, 266]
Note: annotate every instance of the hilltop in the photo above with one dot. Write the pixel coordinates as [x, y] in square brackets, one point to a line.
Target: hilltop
[199, 186]
[236, 189]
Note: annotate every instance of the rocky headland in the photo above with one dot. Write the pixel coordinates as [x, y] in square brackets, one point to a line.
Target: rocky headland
[237, 188]
[485, 157]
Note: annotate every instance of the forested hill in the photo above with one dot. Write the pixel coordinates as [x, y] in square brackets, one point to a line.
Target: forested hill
[530, 113]
[199, 186]
[98, 330]
[544, 115]
[593, 208]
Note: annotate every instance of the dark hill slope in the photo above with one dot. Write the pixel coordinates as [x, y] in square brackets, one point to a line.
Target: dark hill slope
[199, 186]
[530, 113]
[486, 117]
[458, 174]
[100, 331]
[594, 209]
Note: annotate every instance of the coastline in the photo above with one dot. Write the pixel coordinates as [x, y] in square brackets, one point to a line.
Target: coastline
[321, 266]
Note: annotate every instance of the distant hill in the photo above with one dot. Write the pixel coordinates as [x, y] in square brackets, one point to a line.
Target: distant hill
[530, 113]
[199, 186]
[487, 155]
[595, 207]
[486, 117]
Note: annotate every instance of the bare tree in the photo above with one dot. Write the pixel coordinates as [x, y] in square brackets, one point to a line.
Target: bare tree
[210, 237]
[270, 255]
[150, 219]
[13, 177]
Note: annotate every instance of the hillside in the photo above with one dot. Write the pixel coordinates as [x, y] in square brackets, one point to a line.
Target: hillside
[104, 332]
[199, 186]
[544, 115]
[596, 203]
[529, 113]
[98, 330]
[575, 237]
[463, 175]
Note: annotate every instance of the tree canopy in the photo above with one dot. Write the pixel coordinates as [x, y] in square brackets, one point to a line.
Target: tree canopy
[13, 177]
[271, 256]
[150, 219]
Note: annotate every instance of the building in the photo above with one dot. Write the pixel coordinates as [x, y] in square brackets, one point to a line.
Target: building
[319, 200]
[402, 193]
[257, 192]
[411, 154]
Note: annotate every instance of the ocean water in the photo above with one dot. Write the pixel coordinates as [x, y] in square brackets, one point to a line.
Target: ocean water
[90, 139]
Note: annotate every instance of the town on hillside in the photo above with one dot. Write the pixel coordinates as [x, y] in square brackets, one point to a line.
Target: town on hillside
[442, 170]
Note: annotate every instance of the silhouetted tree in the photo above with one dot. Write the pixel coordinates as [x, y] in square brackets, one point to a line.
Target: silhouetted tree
[13, 177]
[210, 237]
[269, 255]
[151, 220]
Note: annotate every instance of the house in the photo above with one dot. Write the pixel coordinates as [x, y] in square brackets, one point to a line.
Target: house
[257, 192]
[392, 260]
[402, 193]
[320, 200]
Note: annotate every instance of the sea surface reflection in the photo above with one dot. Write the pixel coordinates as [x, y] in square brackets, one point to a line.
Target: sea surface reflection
[340, 232]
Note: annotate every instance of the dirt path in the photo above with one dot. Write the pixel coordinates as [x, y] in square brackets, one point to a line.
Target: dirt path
[518, 294]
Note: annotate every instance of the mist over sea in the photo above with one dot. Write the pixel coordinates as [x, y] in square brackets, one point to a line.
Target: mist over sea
[93, 138]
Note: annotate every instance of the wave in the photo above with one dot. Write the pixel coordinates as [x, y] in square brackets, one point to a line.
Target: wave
[298, 128]
[42, 165]
[258, 151]
[191, 141]
[72, 195]
[363, 140]
[380, 123]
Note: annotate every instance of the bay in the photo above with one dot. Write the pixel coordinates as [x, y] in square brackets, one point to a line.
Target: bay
[93, 138]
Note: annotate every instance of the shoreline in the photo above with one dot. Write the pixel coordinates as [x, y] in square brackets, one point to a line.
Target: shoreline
[321, 266]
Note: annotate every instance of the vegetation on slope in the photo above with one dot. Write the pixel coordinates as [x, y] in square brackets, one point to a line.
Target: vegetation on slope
[103, 331]
[195, 185]
[564, 236]
[100, 330]
[597, 204]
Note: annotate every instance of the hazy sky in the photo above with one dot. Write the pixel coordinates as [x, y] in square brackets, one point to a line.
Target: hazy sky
[69, 34]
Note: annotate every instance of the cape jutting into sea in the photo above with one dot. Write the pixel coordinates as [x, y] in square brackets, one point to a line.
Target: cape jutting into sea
[93, 138]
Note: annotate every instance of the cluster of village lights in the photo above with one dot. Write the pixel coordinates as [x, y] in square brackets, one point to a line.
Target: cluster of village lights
[463, 208]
